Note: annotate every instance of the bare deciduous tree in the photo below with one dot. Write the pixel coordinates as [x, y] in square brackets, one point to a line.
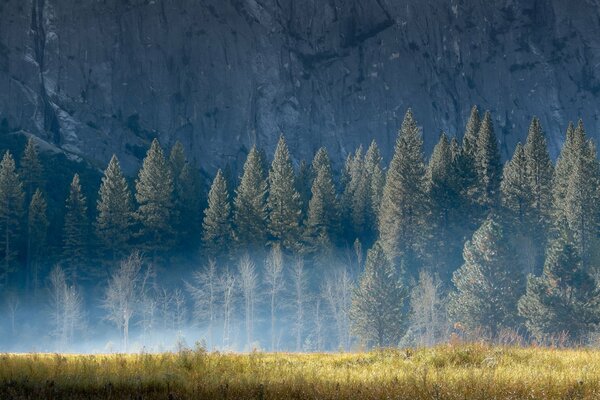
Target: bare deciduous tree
[227, 286]
[249, 284]
[179, 310]
[13, 305]
[123, 294]
[428, 320]
[299, 300]
[337, 292]
[66, 308]
[147, 305]
[205, 292]
[275, 284]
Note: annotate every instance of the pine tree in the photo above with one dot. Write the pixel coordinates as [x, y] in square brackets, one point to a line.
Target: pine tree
[403, 212]
[189, 209]
[376, 314]
[565, 298]
[562, 175]
[250, 205]
[516, 194]
[375, 181]
[446, 219]
[517, 205]
[283, 201]
[186, 206]
[353, 199]
[154, 195]
[470, 137]
[32, 172]
[488, 166]
[217, 229]
[37, 230]
[540, 171]
[75, 231]
[582, 201]
[304, 180]
[489, 283]
[467, 172]
[322, 225]
[114, 212]
[11, 210]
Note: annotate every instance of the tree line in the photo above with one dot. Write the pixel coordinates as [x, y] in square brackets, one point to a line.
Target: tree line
[408, 253]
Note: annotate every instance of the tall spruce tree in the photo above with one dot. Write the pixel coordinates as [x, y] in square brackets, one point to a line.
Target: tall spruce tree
[517, 208]
[37, 231]
[250, 205]
[565, 298]
[189, 209]
[489, 283]
[186, 193]
[114, 216]
[582, 202]
[488, 166]
[375, 182]
[403, 212]
[540, 171]
[516, 195]
[467, 171]
[445, 243]
[154, 195]
[32, 171]
[217, 228]
[11, 211]
[353, 201]
[283, 202]
[562, 175]
[304, 179]
[322, 224]
[377, 316]
[76, 232]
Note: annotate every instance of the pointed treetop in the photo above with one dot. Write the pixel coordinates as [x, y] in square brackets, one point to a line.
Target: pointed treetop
[469, 142]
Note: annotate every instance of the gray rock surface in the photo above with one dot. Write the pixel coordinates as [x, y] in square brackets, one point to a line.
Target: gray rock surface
[95, 77]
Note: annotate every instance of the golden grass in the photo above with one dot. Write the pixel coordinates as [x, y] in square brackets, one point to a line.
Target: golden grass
[444, 372]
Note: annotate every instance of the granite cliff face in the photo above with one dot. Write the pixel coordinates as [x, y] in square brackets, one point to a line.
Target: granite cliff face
[95, 77]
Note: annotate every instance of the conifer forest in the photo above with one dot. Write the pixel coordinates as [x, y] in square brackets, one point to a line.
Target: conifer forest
[288, 254]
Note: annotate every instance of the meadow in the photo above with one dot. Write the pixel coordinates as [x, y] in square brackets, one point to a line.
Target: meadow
[471, 371]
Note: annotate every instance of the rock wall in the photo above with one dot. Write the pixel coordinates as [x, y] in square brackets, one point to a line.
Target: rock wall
[97, 77]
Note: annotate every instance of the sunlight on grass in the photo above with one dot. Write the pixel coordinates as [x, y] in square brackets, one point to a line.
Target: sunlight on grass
[444, 372]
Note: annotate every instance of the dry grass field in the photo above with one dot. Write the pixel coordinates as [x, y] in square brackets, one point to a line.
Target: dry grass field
[444, 372]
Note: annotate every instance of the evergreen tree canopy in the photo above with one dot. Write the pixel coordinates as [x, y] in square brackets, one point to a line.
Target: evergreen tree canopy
[377, 311]
[516, 193]
[540, 172]
[564, 299]
[76, 231]
[250, 205]
[114, 211]
[186, 194]
[375, 181]
[32, 171]
[322, 225]
[283, 201]
[489, 283]
[403, 210]
[445, 225]
[154, 195]
[37, 230]
[562, 175]
[581, 207]
[217, 228]
[11, 211]
[488, 166]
